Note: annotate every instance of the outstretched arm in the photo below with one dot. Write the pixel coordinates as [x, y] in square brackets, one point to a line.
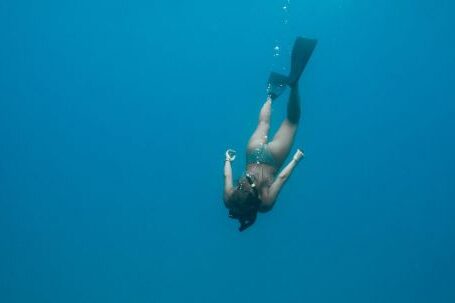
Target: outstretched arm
[269, 197]
[228, 186]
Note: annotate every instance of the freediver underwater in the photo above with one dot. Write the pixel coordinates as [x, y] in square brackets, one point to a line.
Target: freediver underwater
[258, 187]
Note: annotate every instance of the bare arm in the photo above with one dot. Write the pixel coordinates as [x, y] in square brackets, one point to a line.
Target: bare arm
[269, 197]
[228, 187]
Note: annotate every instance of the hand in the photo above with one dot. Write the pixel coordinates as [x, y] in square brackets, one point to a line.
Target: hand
[298, 155]
[230, 155]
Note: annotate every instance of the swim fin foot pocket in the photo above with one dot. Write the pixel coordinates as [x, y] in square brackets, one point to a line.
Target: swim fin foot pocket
[276, 85]
[301, 53]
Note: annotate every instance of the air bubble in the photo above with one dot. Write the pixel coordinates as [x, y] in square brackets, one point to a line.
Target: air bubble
[276, 51]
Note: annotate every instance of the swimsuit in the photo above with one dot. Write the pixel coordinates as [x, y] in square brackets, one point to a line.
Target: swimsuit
[260, 155]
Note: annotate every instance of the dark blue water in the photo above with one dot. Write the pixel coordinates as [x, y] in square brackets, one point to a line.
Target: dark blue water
[114, 119]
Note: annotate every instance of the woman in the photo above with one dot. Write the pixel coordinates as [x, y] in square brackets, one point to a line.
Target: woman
[260, 184]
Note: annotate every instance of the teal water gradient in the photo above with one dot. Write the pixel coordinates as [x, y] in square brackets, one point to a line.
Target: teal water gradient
[114, 119]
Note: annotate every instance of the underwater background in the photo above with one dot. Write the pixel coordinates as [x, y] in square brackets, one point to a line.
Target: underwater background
[115, 116]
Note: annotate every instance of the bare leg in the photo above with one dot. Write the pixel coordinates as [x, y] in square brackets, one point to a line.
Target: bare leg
[261, 133]
[282, 142]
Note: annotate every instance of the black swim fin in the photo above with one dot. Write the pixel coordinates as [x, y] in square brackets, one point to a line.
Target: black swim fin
[301, 53]
[276, 85]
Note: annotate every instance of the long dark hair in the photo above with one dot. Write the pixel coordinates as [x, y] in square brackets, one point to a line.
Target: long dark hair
[244, 203]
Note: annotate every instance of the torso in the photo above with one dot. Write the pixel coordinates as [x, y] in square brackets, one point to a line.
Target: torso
[262, 165]
[264, 175]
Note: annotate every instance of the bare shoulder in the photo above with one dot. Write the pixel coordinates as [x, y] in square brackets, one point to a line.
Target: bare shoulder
[267, 202]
